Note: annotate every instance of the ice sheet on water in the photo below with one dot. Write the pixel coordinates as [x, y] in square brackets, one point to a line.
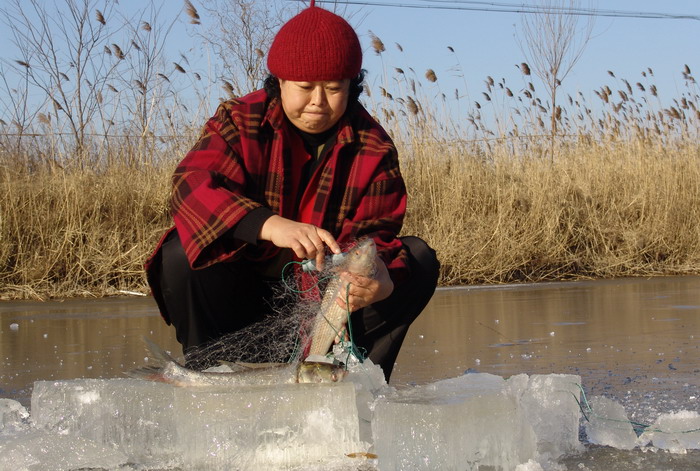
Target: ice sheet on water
[608, 424]
[676, 432]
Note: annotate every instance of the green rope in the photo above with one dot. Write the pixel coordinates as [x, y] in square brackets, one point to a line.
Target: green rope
[292, 288]
[354, 349]
[638, 427]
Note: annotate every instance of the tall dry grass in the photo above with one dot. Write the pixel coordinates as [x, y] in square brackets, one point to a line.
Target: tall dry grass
[595, 212]
[79, 233]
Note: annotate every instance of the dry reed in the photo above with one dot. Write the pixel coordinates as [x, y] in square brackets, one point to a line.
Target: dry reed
[79, 233]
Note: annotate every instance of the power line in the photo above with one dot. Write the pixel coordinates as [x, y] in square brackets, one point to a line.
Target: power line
[497, 7]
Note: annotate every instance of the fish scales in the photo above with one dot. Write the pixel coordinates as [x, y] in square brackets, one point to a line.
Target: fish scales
[331, 317]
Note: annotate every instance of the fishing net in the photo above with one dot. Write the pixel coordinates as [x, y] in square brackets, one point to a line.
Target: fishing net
[281, 336]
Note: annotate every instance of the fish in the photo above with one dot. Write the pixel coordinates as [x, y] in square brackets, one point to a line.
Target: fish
[169, 370]
[330, 318]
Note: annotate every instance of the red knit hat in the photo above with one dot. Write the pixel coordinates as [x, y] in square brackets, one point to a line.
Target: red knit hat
[315, 45]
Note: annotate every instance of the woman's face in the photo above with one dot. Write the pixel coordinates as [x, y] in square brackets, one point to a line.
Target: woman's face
[314, 107]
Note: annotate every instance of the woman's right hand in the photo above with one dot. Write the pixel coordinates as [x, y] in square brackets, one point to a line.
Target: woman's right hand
[306, 240]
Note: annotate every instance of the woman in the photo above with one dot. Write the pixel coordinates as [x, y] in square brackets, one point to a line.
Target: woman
[284, 173]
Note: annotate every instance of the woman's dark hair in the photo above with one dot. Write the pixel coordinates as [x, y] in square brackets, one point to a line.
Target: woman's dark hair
[272, 87]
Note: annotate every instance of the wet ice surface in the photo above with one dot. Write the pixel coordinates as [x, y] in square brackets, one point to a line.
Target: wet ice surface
[635, 341]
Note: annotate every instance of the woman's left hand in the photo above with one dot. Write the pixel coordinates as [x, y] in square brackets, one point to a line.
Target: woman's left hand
[361, 291]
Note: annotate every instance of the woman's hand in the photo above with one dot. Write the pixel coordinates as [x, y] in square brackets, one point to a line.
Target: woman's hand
[361, 291]
[305, 240]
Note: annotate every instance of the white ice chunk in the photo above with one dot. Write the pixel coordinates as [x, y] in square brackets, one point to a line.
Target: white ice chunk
[13, 416]
[608, 424]
[369, 384]
[550, 405]
[459, 423]
[40, 450]
[263, 427]
[132, 415]
[676, 432]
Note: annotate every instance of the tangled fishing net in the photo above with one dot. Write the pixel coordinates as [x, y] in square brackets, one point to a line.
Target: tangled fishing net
[285, 332]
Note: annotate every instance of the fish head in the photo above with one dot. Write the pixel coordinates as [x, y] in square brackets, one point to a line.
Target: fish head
[319, 372]
[361, 258]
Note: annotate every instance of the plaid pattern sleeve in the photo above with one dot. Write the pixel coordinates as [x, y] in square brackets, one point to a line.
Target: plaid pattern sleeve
[209, 196]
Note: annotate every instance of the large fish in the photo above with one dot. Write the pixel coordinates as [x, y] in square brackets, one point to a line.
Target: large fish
[170, 371]
[330, 319]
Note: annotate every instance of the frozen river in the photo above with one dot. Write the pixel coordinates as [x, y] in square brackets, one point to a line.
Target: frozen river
[635, 340]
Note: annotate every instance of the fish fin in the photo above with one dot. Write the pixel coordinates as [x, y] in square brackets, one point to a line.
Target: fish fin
[158, 353]
[153, 372]
[362, 454]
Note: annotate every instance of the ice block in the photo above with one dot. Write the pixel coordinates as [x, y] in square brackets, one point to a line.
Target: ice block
[13, 416]
[551, 407]
[134, 416]
[463, 423]
[676, 432]
[608, 424]
[40, 450]
[263, 427]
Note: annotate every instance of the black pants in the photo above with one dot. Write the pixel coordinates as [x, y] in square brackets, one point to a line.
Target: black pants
[207, 304]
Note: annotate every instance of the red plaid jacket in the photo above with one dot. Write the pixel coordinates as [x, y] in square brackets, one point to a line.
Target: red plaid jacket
[242, 162]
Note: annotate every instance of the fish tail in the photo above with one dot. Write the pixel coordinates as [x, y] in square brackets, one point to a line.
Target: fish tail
[153, 372]
[158, 353]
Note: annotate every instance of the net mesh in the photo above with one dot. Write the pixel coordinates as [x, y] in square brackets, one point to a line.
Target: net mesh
[283, 334]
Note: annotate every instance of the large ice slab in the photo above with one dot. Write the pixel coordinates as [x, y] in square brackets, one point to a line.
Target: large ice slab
[244, 427]
[477, 420]
[259, 427]
[132, 415]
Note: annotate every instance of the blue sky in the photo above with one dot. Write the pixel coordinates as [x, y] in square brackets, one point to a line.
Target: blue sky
[485, 43]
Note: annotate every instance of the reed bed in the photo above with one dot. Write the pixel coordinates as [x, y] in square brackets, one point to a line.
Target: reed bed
[79, 233]
[597, 212]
